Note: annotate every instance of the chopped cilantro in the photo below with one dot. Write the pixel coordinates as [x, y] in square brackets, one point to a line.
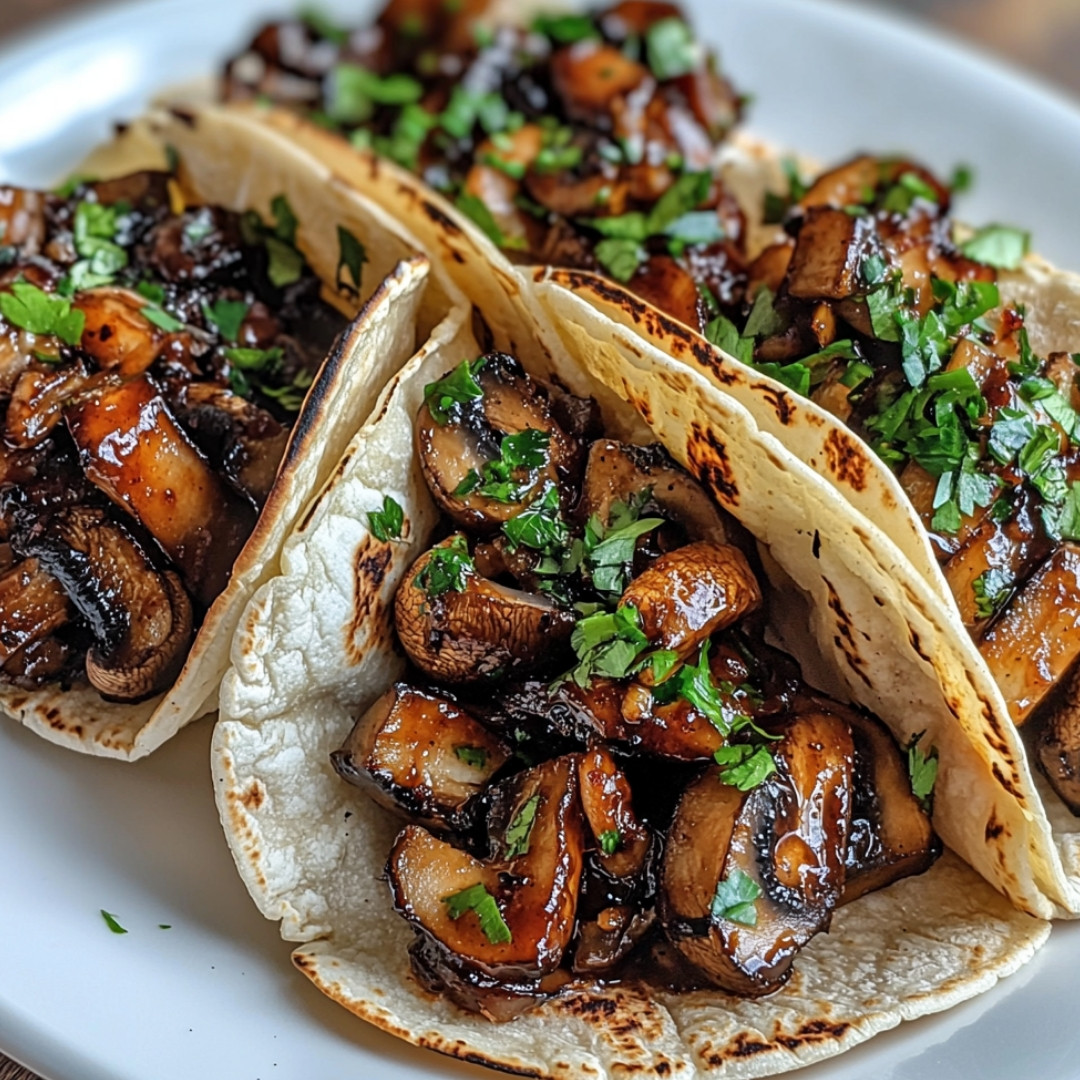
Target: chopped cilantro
[355, 90]
[39, 312]
[735, 897]
[285, 223]
[962, 179]
[457, 388]
[285, 264]
[111, 922]
[991, 589]
[525, 450]
[620, 257]
[406, 137]
[520, 830]
[1063, 522]
[386, 524]
[162, 319]
[565, 29]
[670, 48]
[94, 229]
[474, 756]
[322, 25]
[745, 765]
[476, 898]
[254, 359]
[610, 839]
[1000, 246]
[724, 334]
[351, 256]
[291, 396]
[764, 320]
[607, 551]
[474, 208]
[226, 315]
[923, 770]
[540, 526]
[608, 644]
[447, 569]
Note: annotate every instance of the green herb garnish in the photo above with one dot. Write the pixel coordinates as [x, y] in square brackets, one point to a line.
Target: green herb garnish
[351, 257]
[227, 316]
[610, 839]
[447, 569]
[477, 898]
[457, 388]
[671, 49]
[386, 524]
[112, 923]
[745, 765]
[1000, 246]
[517, 835]
[474, 756]
[923, 770]
[525, 450]
[735, 899]
[30, 308]
[354, 91]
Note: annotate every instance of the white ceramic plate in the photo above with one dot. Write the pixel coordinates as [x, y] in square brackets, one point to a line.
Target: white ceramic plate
[215, 995]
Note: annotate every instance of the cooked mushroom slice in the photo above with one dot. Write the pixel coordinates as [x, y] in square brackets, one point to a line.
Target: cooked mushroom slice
[509, 919]
[33, 605]
[617, 472]
[141, 619]
[478, 483]
[891, 834]
[22, 219]
[1059, 745]
[749, 878]
[469, 629]
[41, 662]
[1037, 639]
[692, 592]
[420, 754]
[622, 840]
[133, 449]
[829, 252]
[609, 938]
[246, 442]
[38, 400]
[117, 334]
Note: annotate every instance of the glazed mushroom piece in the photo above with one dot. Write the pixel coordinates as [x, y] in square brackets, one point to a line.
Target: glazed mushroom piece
[750, 878]
[618, 472]
[1059, 744]
[492, 930]
[33, 606]
[460, 627]
[141, 619]
[475, 475]
[421, 755]
[132, 447]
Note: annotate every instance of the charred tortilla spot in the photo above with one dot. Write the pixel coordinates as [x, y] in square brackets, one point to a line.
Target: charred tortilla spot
[994, 828]
[371, 561]
[846, 460]
[185, 116]
[708, 461]
[916, 644]
[253, 797]
[439, 218]
[780, 400]
[1008, 784]
[817, 545]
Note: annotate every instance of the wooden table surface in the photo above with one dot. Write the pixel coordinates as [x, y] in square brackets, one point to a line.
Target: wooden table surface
[1041, 35]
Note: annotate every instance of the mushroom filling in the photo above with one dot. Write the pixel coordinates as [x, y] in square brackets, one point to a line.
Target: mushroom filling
[153, 356]
[586, 141]
[875, 304]
[607, 773]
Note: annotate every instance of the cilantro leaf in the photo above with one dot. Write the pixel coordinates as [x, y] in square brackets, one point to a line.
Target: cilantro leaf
[565, 29]
[161, 318]
[991, 588]
[735, 897]
[724, 334]
[607, 644]
[112, 923]
[520, 830]
[457, 388]
[745, 765]
[386, 524]
[351, 257]
[610, 839]
[476, 898]
[620, 257]
[354, 91]
[923, 770]
[475, 756]
[254, 359]
[525, 450]
[39, 312]
[670, 48]
[227, 316]
[1000, 246]
[540, 526]
[447, 569]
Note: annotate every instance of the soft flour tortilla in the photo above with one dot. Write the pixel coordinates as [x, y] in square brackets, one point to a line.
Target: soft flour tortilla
[316, 646]
[226, 162]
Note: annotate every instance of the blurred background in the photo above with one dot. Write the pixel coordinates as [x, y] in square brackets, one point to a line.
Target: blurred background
[1041, 35]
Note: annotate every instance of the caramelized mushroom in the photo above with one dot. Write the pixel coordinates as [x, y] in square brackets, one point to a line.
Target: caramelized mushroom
[692, 592]
[38, 400]
[420, 754]
[784, 842]
[623, 842]
[33, 605]
[1059, 745]
[116, 333]
[829, 251]
[617, 472]
[141, 619]
[133, 449]
[482, 630]
[533, 877]
[455, 453]
[891, 834]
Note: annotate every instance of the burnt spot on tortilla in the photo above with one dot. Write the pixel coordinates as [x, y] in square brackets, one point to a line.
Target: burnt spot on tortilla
[844, 639]
[253, 797]
[482, 331]
[708, 461]
[816, 549]
[185, 116]
[371, 562]
[813, 1031]
[846, 459]
[1008, 784]
[642, 404]
[994, 828]
[780, 400]
[439, 217]
[916, 644]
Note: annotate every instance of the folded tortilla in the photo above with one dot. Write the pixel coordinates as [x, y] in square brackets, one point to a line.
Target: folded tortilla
[227, 162]
[316, 646]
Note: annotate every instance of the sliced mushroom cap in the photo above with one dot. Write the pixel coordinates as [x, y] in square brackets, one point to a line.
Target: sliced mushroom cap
[468, 636]
[472, 436]
[141, 619]
[692, 592]
[1037, 638]
[38, 400]
[1059, 745]
[784, 840]
[891, 834]
[538, 850]
[33, 605]
[622, 840]
[829, 252]
[116, 333]
[616, 472]
[421, 755]
[133, 449]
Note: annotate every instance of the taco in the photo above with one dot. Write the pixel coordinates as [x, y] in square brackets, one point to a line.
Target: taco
[922, 368]
[180, 369]
[361, 588]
